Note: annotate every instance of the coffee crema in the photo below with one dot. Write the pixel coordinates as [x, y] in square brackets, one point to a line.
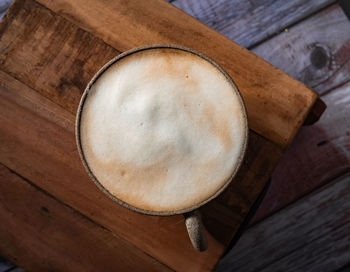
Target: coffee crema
[162, 130]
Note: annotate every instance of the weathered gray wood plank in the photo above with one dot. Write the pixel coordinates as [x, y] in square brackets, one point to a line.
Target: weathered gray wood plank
[315, 51]
[318, 154]
[311, 235]
[250, 22]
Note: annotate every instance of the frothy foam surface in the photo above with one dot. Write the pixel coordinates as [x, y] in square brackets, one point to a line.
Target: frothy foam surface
[162, 129]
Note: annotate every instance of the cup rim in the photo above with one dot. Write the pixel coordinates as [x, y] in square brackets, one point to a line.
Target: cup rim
[78, 133]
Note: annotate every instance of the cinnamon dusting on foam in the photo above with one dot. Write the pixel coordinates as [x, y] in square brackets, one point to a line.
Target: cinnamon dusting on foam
[162, 130]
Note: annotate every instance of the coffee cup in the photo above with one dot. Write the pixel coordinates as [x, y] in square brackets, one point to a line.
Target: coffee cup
[162, 130]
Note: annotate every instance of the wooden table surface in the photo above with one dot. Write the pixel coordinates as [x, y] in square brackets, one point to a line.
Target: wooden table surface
[303, 221]
[49, 52]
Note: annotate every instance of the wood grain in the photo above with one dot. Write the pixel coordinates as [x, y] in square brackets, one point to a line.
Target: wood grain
[50, 54]
[37, 140]
[47, 235]
[277, 105]
[250, 22]
[37, 116]
[318, 154]
[315, 51]
[313, 234]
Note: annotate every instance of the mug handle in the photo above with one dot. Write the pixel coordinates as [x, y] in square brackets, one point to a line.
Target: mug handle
[195, 230]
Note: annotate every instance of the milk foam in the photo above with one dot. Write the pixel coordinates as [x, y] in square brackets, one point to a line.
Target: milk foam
[162, 130]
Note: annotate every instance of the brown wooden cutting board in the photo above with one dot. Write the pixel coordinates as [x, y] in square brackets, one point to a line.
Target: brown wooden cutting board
[53, 217]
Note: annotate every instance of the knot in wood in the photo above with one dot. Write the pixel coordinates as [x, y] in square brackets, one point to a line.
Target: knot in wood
[319, 57]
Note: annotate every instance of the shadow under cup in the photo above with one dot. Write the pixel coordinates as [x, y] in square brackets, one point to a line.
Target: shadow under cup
[145, 141]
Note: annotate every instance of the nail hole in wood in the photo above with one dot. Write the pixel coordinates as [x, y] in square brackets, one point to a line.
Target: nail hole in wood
[44, 209]
[322, 143]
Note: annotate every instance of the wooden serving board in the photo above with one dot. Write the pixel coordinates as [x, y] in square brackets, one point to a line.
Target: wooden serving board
[52, 215]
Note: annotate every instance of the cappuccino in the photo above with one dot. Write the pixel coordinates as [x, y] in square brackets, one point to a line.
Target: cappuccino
[162, 130]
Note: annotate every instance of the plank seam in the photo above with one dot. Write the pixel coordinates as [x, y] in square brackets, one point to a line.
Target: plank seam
[34, 90]
[251, 47]
[299, 247]
[322, 184]
[337, 86]
[336, 227]
[79, 213]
